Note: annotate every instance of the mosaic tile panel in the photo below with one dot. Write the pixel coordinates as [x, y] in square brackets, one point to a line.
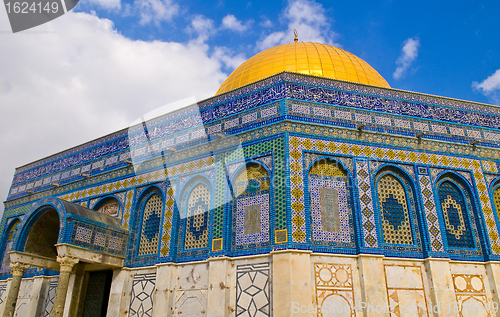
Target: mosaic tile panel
[253, 290]
[489, 166]
[96, 238]
[12, 212]
[252, 220]
[456, 216]
[197, 218]
[330, 212]
[405, 291]
[166, 229]
[142, 179]
[366, 204]
[129, 196]
[330, 91]
[221, 186]
[13, 226]
[395, 155]
[151, 225]
[110, 208]
[334, 289]
[396, 223]
[486, 206]
[277, 148]
[141, 299]
[50, 297]
[431, 216]
[470, 294]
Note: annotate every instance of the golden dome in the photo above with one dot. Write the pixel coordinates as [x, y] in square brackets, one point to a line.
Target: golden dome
[304, 58]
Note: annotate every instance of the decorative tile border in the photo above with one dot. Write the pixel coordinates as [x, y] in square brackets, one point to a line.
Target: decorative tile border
[370, 237]
[299, 144]
[431, 216]
[166, 228]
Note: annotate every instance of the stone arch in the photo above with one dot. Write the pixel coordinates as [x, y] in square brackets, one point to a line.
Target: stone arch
[43, 235]
[42, 229]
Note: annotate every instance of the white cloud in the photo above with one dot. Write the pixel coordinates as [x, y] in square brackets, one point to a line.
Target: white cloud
[408, 55]
[203, 27]
[155, 11]
[230, 22]
[82, 80]
[227, 56]
[266, 23]
[490, 87]
[309, 19]
[107, 4]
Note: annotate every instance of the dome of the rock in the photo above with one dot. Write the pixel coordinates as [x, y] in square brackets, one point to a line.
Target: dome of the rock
[305, 58]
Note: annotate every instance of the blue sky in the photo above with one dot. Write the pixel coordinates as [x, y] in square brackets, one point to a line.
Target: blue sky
[96, 69]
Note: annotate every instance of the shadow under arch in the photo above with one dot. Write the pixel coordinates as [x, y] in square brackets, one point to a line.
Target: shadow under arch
[44, 222]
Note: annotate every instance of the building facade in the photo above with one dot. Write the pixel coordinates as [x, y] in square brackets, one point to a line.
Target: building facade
[305, 187]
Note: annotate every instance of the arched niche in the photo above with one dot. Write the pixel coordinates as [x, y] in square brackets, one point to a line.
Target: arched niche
[251, 207]
[330, 204]
[10, 234]
[109, 206]
[398, 210]
[44, 234]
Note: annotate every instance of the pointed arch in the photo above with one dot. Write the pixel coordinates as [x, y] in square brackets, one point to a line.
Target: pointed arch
[195, 212]
[150, 209]
[398, 206]
[250, 207]
[330, 202]
[457, 211]
[109, 205]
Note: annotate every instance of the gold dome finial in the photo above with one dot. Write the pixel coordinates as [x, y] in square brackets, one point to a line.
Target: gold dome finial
[296, 35]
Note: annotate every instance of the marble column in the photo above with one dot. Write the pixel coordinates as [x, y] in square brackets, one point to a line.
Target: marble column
[17, 270]
[66, 264]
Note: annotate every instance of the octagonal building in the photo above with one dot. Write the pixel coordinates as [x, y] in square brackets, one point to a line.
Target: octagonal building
[306, 186]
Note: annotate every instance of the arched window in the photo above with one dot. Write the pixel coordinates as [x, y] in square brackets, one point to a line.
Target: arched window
[330, 201]
[395, 213]
[456, 209]
[8, 244]
[150, 231]
[197, 217]
[108, 206]
[251, 207]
